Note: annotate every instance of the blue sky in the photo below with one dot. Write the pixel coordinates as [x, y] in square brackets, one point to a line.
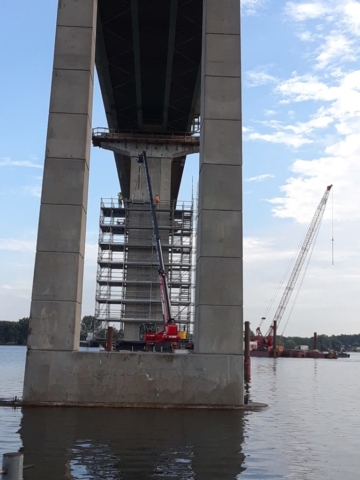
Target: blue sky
[301, 105]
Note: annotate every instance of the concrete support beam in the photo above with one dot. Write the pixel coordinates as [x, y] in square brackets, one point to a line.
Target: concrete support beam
[58, 277]
[219, 291]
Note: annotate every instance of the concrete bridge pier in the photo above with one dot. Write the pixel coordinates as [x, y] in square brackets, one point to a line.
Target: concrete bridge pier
[219, 295]
[58, 277]
[56, 372]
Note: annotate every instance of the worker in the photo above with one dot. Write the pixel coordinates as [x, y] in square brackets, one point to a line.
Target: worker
[157, 200]
[120, 199]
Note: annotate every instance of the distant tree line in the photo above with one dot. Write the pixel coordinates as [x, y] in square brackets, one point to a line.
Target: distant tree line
[14, 333]
[325, 342]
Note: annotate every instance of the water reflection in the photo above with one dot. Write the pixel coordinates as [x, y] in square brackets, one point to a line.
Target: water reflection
[132, 444]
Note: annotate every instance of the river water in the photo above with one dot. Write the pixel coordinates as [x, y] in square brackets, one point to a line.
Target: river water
[310, 431]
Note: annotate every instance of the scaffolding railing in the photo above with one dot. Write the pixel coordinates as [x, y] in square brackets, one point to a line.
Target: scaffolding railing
[111, 134]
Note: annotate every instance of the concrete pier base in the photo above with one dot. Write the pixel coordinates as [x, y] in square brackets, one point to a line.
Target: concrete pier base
[133, 379]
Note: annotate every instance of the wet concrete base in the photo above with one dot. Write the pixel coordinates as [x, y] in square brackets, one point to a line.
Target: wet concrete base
[133, 379]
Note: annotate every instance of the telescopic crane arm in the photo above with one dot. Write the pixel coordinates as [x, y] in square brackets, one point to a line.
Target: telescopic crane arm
[164, 287]
[309, 238]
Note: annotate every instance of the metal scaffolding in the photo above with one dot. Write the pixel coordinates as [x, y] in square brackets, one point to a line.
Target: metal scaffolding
[127, 290]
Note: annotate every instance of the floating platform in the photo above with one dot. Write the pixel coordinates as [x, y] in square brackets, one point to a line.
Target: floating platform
[294, 354]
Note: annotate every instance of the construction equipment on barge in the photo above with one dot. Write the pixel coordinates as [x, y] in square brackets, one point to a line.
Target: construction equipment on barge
[265, 342]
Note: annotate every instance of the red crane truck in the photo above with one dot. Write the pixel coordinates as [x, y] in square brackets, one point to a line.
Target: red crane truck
[168, 338]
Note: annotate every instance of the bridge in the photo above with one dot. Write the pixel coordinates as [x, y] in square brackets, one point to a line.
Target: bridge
[169, 73]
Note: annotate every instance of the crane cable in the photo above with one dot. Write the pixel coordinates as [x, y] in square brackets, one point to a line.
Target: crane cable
[332, 226]
[286, 273]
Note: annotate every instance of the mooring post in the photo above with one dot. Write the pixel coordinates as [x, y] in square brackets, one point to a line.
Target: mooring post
[12, 466]
[247, 352]
[315, 341]
[109, 345]
[274, 339]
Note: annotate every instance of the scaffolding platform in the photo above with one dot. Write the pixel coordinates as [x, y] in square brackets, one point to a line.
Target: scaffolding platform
[128, 292]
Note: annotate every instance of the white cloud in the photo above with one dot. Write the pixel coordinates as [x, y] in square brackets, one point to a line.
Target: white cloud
[16, 245]
[7, 162]
[281, 137]
[258, 77]
[305, 11]
[300, 88]
[250, 7]
[269, 113]
[336, 32]
[339, 162]
[335, 47]
[33, 191]
[294, 135]
[307, 36]
[7, 287]
[351, 18]
[303, 191]
[341, 94]
[260, 178]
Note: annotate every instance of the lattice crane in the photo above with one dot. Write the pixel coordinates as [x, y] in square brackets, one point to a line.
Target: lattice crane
[309, 238]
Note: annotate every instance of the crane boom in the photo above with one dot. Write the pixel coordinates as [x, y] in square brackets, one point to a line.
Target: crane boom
[310, 235]
[164, 287]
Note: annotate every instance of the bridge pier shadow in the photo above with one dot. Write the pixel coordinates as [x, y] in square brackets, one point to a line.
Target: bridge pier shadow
[98, 443]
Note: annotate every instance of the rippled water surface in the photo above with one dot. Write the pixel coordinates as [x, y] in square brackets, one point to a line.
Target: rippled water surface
[310, 431]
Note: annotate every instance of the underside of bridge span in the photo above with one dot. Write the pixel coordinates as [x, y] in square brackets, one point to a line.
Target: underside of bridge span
[148, 62]
[160, 64]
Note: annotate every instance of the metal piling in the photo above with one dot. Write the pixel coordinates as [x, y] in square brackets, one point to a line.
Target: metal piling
[12, 467]
[247, 360]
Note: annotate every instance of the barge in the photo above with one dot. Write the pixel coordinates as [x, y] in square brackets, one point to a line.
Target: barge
[293, 353]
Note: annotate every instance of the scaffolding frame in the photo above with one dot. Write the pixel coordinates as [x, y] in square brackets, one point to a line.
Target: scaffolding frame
[117, 292]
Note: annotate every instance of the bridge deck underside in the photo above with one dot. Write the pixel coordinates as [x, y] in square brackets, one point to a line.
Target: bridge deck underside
[149, 62]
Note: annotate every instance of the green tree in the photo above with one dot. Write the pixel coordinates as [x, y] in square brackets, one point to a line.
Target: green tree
[8, 332]
[23, 327]
[14, 332]
[335, 343]
[289, 344]
[87, 326]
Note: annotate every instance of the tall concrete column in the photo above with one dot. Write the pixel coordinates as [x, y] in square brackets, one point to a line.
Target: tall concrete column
[58, 277]
[219, 291]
